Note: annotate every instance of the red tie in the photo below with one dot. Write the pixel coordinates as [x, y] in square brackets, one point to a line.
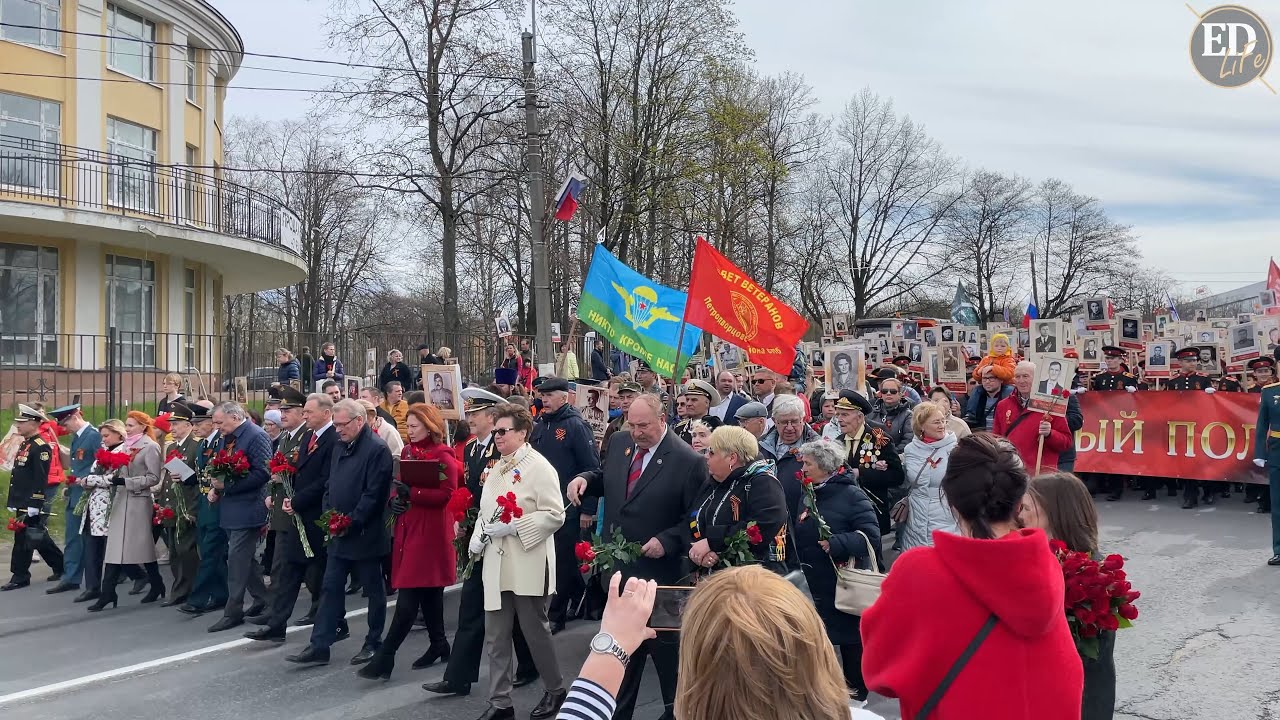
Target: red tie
[637, 469]
[311, 446]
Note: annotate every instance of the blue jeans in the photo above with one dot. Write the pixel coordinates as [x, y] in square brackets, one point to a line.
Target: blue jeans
[73, 552]
[333, 600]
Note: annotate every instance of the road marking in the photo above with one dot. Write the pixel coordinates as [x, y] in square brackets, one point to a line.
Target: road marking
[149, 664]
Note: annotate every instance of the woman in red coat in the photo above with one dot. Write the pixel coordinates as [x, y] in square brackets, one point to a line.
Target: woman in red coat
[422, 555]
[1024, 426]
[994, 586]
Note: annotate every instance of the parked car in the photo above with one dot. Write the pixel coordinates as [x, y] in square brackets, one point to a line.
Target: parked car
[259, 379]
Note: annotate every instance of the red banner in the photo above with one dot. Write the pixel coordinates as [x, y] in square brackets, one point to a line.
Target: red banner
[1187, 435]
[726, 303]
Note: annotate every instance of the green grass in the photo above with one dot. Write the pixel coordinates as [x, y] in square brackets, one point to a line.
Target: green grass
[57, 524]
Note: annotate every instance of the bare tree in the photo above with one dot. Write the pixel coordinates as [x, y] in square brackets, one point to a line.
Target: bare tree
[985, 236]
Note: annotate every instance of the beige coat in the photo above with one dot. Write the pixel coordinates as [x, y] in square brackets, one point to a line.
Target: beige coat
[524, 563]
[129, 538]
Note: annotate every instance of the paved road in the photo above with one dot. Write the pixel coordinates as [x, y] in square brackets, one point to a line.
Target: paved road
[1204, 646]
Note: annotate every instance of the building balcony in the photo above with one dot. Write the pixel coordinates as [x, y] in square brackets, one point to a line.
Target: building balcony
[52, 190]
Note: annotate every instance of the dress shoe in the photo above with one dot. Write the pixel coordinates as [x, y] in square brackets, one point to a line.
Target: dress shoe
[444, 687]
[523, 678]
[379, 667]
[14, 585]
[55, 577]
[262, 619]
[61, 588]
[198, 610]
[86, 596]
[1188, 504]
[1148, 495]
[1114, 496]
[175, 600]
[256, 609]
[226, 623]
[557, 627]
[494, 713]
[437, 651]
[344, 632]
[1275, 560]
[139, 586]
[353, 588]
[305, 620]
[312, 655]
[103, 601]
[266, 634]
[365, 655]
[549, 705]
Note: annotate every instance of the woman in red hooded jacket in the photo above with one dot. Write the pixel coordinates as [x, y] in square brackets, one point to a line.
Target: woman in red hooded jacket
[995, 587]
[422, 556]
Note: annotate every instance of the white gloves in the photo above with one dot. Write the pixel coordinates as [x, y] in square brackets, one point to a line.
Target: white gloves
[476, 546]
[12, 509]
[499, 529]
[1259, 462]
[1080, 390]
[33, 512]
[1210, 390]
[1130, 389]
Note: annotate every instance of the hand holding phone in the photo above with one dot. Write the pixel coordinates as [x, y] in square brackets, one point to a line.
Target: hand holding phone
[668, 608]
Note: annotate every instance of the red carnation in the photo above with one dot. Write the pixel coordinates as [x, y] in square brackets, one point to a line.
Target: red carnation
[174, 454]
[584, 568]
[583, 551]
[1128, 612]
[753, 534]
[280, 465]
[459, 503]
[1113, 562]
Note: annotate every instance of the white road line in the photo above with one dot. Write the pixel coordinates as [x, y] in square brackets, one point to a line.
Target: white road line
[149, 664]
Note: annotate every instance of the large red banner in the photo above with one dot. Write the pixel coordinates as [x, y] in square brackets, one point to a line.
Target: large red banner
[1189, 435]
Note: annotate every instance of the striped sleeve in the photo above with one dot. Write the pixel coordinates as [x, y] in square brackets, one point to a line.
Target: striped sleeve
[587, 701]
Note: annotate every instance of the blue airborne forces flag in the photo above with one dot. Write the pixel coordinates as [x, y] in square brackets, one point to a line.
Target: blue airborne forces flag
[638, 316]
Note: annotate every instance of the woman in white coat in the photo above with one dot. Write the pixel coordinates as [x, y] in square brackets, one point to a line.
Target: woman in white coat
[130, 539]
[925, 462]
[93, 520]
[519, 561]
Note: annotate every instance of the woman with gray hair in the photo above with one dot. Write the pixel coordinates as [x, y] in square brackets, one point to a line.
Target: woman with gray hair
[827, 535]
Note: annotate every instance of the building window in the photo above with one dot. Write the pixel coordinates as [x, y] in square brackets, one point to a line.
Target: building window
[131, 292]
[29, 313]
[133, 48]
[131, 177]
[38, 20]
[29, 142]
[193, 76]
[190, 311]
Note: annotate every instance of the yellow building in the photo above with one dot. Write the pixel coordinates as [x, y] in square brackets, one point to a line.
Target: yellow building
[103, 107]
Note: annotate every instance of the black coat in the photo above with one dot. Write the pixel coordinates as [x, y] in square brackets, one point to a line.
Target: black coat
[846, 509]
[870, 447]
[309, 485]
[599, 369]
[749, 494]
[399, 372]
[659, 503]
[788, 464]
[477, 461]
[359, 486]
[565, 439]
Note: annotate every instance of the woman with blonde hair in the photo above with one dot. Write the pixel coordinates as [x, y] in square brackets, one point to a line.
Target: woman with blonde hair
[924, 462]
[129, 530]
[93, 520]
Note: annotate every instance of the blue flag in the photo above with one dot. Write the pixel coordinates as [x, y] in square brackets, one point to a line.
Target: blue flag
[638, 316]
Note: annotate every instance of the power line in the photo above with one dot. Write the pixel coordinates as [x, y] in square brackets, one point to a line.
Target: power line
[273, 56]
[183, 83]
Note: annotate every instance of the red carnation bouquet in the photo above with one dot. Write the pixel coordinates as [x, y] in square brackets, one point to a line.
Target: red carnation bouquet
[601, 556]
[506, 511]
[1099, 596]
[109, 461]
[228, 466]
[163, 516]
[334, 523]
[279, 465]
[15, 525]
[175, 453]
[737, 547]
[460, 509]
[810, 502]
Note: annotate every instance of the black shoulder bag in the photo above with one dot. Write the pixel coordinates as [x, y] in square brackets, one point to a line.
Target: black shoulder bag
[956, 667]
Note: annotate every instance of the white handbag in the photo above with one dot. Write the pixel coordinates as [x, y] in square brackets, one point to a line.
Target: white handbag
[857, 590]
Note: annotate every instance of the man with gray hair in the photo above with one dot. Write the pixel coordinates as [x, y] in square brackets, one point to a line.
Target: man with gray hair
[242, 514]
[788, 434]
[358, 487]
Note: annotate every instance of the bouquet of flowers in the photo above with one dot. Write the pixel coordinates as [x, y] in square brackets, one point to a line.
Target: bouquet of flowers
[601, 556]
[228, 466]
[810, 503]
[334, 523]
[15, 525]
[506, 511]
[279, 466]
[459, 508]
[110, 461]
[174, 453]
[737, 547]
[163, 516]
[1098, 596]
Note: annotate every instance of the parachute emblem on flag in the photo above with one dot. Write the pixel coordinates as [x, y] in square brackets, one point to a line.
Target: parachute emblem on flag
[641, 311]
[745, 310]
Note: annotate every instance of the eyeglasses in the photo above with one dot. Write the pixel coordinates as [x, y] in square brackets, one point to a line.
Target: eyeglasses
[502, 432]
[342, 425]
[888, 392]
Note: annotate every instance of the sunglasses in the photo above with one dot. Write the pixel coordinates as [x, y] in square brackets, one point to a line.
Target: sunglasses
[758, 381]
[888, 392]
[502, 432]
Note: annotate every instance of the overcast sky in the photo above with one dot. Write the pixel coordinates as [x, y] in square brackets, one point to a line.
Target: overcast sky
[1099, 94]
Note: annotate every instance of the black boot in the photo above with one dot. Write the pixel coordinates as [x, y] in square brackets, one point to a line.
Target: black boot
[157, 584]
[107, 595]
[1188, 503]
[1149, 495]
[379, 667]
[437, 651]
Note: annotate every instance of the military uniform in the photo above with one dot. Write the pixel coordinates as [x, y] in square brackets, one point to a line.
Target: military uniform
[1260, 492]
[1267, 449]
[871, 456]
[1117, 381]
[209, 591]
[1193, 380]
[29, 490]
[184, 499]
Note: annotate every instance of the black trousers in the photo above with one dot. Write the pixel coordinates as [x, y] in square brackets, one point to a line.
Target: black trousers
[1152, 484]
[112, 574]
[468, 641]
[95, 549]
[569, 584]
[1192, 489]
[851, 659]
[287, 579]
[665, 651]
[408, 602]
[23, 549]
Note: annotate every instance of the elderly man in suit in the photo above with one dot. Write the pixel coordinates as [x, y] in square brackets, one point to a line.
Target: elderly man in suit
[649, 480]
[243, 513]
[359, 485]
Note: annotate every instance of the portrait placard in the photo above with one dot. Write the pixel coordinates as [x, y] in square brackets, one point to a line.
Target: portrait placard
[1157, 354]
[951, 368]
[929, 336]
[828, 327]
[841, 322]
[443, 385]
[947, 333]
[1089, 347]
[910, 331]
[915, 352]
[1097, 313]
[1130, 325]
[1053, 377]
[592, 402]
[1046, 338]
[1162, 325]
[371, 362]
[727, 356]
[1243, 339]
[846, 367]
[503, 325]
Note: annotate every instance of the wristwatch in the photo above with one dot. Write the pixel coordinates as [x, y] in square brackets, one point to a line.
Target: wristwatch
[604, 644]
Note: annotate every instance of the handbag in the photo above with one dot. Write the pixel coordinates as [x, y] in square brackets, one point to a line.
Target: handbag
[857, 590]
[901, 510]
[797, 577]
[936, 696]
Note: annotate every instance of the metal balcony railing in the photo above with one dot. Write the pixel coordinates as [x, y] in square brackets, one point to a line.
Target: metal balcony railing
[64, 176]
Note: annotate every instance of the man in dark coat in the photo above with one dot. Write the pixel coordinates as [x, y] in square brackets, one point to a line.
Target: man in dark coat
[184, 558]
[30, 500]
[314, 458]
[649, 481]
[243, 514]
[209, 592]
[358, 487]
[599, 368]
[781, 443]
[566, 441]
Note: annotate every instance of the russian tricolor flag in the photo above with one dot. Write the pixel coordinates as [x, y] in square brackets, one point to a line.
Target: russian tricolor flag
[567, 198]
[1032, 313]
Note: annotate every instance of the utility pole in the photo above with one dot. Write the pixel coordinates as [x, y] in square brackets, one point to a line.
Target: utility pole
[537, 209]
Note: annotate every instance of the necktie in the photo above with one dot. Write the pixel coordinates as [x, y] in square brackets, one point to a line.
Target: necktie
[311, 446]
[637, 468]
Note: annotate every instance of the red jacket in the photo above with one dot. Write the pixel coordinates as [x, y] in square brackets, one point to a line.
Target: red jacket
[422, 555]
[1026, 435]
[933, 603]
